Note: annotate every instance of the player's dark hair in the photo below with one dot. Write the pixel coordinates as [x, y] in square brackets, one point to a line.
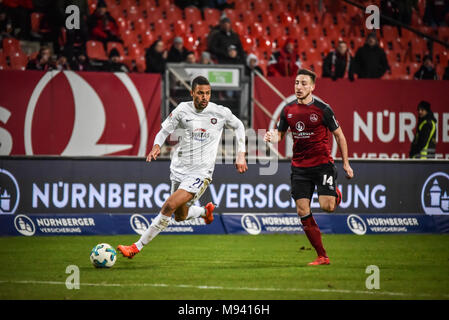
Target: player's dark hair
[307, 72]
[200, 80]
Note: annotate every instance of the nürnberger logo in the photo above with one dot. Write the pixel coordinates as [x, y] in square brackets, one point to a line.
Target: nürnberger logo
[139, 223]
[9, 192]
[300, 126]
[314, 117]
[251, 224]
[24, 225]
[81, 107]
[356, 224]
[435, 194]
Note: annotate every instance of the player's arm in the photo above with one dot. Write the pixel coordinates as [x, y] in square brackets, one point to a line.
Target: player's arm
[167, 128]
[277, 134]
[334, 127]
[237, 125]
[343, 147]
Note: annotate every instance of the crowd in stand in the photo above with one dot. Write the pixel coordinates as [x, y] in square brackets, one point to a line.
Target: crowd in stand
[68, 52]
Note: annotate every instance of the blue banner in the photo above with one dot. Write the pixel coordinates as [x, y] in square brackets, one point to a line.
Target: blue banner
[98, 224]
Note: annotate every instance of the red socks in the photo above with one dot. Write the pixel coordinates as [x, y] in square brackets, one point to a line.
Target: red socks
[313, 234]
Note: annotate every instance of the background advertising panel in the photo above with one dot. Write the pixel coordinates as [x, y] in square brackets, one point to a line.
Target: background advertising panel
[120, 185]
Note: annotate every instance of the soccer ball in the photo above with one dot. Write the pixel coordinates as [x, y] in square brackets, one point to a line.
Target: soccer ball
[103, 256]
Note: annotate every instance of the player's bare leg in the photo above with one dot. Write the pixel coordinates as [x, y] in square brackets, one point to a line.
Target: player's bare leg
[312, 230]
[177, 199]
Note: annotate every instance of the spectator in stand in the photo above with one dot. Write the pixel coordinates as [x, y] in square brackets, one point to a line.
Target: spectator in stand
[233, 56]
[62, 64]
[446, 72]
[42, 60]
[424, 142]
[285, 62]
[370, 60]
[114, 64]
[252, 63]
[427, 70]
[339, 63]
[435, 12]
[102, 25]
[6, 24]
[156, 57]
[190, 57]
[80, 63]
[177, 52]
[221, 39]
[205, 58]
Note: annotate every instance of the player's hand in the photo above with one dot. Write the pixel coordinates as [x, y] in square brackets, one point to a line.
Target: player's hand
[154, 153]
[348, 170]
[240, 163]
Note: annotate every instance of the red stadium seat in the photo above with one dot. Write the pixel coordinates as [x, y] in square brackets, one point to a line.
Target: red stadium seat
[3, 62]
[95, 50]
[133, 13]
[18, 61]
[190, 42]
[154, 14]
[147, 39]
[275, 31]
[231, 14]
[11, 46]
[239, 28]
[263, 65]
[173, 14]
[115, 11]
[247, 18]
[141, 25]
[313, 31]
[323, 45]
[117, 45]
[443, 33]
[141, 63]
[294, 31]
[267, 19]
[129, 37]
[123, 24]
[135, 51]
[180, 27]
[248, 43]
[256, 30]
[92, 6]
[305, 19]
[167, 36]
[36, 19]
[192, 14]
[286, 19]
[200, 29]
[212, 16]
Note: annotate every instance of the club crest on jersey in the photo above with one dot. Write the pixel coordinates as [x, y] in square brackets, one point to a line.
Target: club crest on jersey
[200, 134]
[213, 120]
[300, 126]
[314, 117]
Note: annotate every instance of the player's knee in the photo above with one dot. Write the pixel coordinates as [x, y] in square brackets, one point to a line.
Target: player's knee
[302, 210]
[329, 206]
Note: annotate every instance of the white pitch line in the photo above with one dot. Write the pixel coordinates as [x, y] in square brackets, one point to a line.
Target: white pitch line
[220, 288]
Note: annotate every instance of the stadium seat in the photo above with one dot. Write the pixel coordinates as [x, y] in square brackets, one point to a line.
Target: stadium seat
[123, 24]
[192, 14]
[313, 31]
[212, 16]
[18, 61]
[11, 46]
[133, 13]
[247, 18]
[265, 47]
[190, 42]
[95, 50]
[3, 62]
[263, 65]
[200, 29]
[241, 6]
[293, 31]
[239, 28]
[167, 36]
[141, 25]
[115, 11]
[180, 27]
[323, 45]
[36, 20]
[141, 63]
[117, 45]
[173, 15]
[256, 30]
[277, 7]
[135, 51]
[231, 14]
[92, 6]
[275, 31]
[443, 33]
[147, 39]
[332, 33]
[154, 14]
[248, 43]
[305, 19]
[267, 19]
[286, 19]
[129, 37]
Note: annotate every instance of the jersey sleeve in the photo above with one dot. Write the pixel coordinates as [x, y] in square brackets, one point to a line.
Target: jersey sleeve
[283, 124]
[329, 119]
[171, 122]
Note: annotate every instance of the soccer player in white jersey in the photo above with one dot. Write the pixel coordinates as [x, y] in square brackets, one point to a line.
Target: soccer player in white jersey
[193, 162]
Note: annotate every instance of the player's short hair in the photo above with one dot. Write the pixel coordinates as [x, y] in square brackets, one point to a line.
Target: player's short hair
[307, 72]
[200, 80]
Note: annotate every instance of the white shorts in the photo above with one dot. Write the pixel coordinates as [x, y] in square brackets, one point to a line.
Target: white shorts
[195, 184]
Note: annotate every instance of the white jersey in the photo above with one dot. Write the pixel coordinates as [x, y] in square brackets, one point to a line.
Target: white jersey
[200, 135]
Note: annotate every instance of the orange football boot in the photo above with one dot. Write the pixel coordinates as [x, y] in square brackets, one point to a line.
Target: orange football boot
[128, 251]
[319, 261]
[209, 213]
[339, 196]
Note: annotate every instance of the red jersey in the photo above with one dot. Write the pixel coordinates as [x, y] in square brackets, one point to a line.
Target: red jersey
[310, 125]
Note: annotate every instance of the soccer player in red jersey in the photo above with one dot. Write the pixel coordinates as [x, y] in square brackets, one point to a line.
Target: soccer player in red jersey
[310, 121]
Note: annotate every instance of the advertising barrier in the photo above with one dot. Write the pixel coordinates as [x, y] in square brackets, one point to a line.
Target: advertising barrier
[78, 113]
[378, 117]
[58, 195]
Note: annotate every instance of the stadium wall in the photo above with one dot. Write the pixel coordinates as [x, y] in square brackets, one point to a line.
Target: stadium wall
[118, 195]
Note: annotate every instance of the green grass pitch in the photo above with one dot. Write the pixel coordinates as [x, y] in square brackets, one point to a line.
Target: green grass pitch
[237, 267]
